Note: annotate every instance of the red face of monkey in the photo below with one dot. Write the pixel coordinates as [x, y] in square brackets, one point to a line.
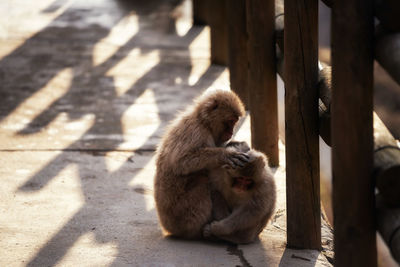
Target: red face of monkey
[242, 184]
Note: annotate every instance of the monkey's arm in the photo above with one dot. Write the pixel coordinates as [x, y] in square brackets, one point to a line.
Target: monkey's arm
[220, 209]
[240, 219]
[208, 158]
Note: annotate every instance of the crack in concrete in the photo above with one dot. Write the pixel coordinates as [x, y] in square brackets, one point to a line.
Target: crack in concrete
[143, 191]
[234, 250]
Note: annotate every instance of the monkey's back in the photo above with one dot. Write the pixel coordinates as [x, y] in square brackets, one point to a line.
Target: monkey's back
[183, 202]
[183, 206]
[264, 199]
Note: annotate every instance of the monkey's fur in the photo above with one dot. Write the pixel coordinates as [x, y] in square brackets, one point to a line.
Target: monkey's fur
[249, 194]
[189, 150]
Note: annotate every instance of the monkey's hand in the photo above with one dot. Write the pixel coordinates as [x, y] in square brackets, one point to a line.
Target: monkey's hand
[234, 159]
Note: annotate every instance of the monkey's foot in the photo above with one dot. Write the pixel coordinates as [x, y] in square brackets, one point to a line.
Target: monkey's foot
[207, 231]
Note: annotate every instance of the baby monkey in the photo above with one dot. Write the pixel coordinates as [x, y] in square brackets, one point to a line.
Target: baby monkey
[243, 198]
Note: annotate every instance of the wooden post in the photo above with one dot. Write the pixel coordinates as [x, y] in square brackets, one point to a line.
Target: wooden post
[352, 133]
[262, 88]
[200, 12]
[237, 36]
[219, 32]
[301, 116]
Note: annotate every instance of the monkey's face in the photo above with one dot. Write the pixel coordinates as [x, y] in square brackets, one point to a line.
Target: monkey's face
[240, 180]
[241, 184]
[227, 130]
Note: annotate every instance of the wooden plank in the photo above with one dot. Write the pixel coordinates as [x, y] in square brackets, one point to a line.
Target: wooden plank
[237, 37]
[301, 116]
[200, 12]
[386, 11]
[219, 32]
[352, 133]
[262, 78]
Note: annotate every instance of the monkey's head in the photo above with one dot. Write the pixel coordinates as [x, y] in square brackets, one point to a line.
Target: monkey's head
[219, 111]
[245, 179]
[240, 146]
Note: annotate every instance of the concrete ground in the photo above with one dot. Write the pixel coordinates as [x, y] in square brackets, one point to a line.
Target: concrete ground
[87, 88]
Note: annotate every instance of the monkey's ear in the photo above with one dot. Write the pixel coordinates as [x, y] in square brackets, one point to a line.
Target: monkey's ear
[212, 105]
[206, 108]
[260, 161]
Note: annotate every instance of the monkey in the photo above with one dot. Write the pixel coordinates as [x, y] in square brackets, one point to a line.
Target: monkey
[249, 193]
[190, 148]
[220, 208]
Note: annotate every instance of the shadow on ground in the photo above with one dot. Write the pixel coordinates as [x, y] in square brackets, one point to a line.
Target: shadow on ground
[68, 42]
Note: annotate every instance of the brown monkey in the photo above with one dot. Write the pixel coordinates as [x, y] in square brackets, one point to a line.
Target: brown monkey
[249, 194]
[190, 148]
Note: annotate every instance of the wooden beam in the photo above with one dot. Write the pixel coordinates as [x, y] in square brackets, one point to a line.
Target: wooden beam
[237, 36]
[386, 164]
[388, 226]
[262, 86]
[352, 133]
[386, 11]
[219, 31]
[301, 119]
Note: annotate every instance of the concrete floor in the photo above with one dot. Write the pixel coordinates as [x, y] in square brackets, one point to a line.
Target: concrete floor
[87, 88]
